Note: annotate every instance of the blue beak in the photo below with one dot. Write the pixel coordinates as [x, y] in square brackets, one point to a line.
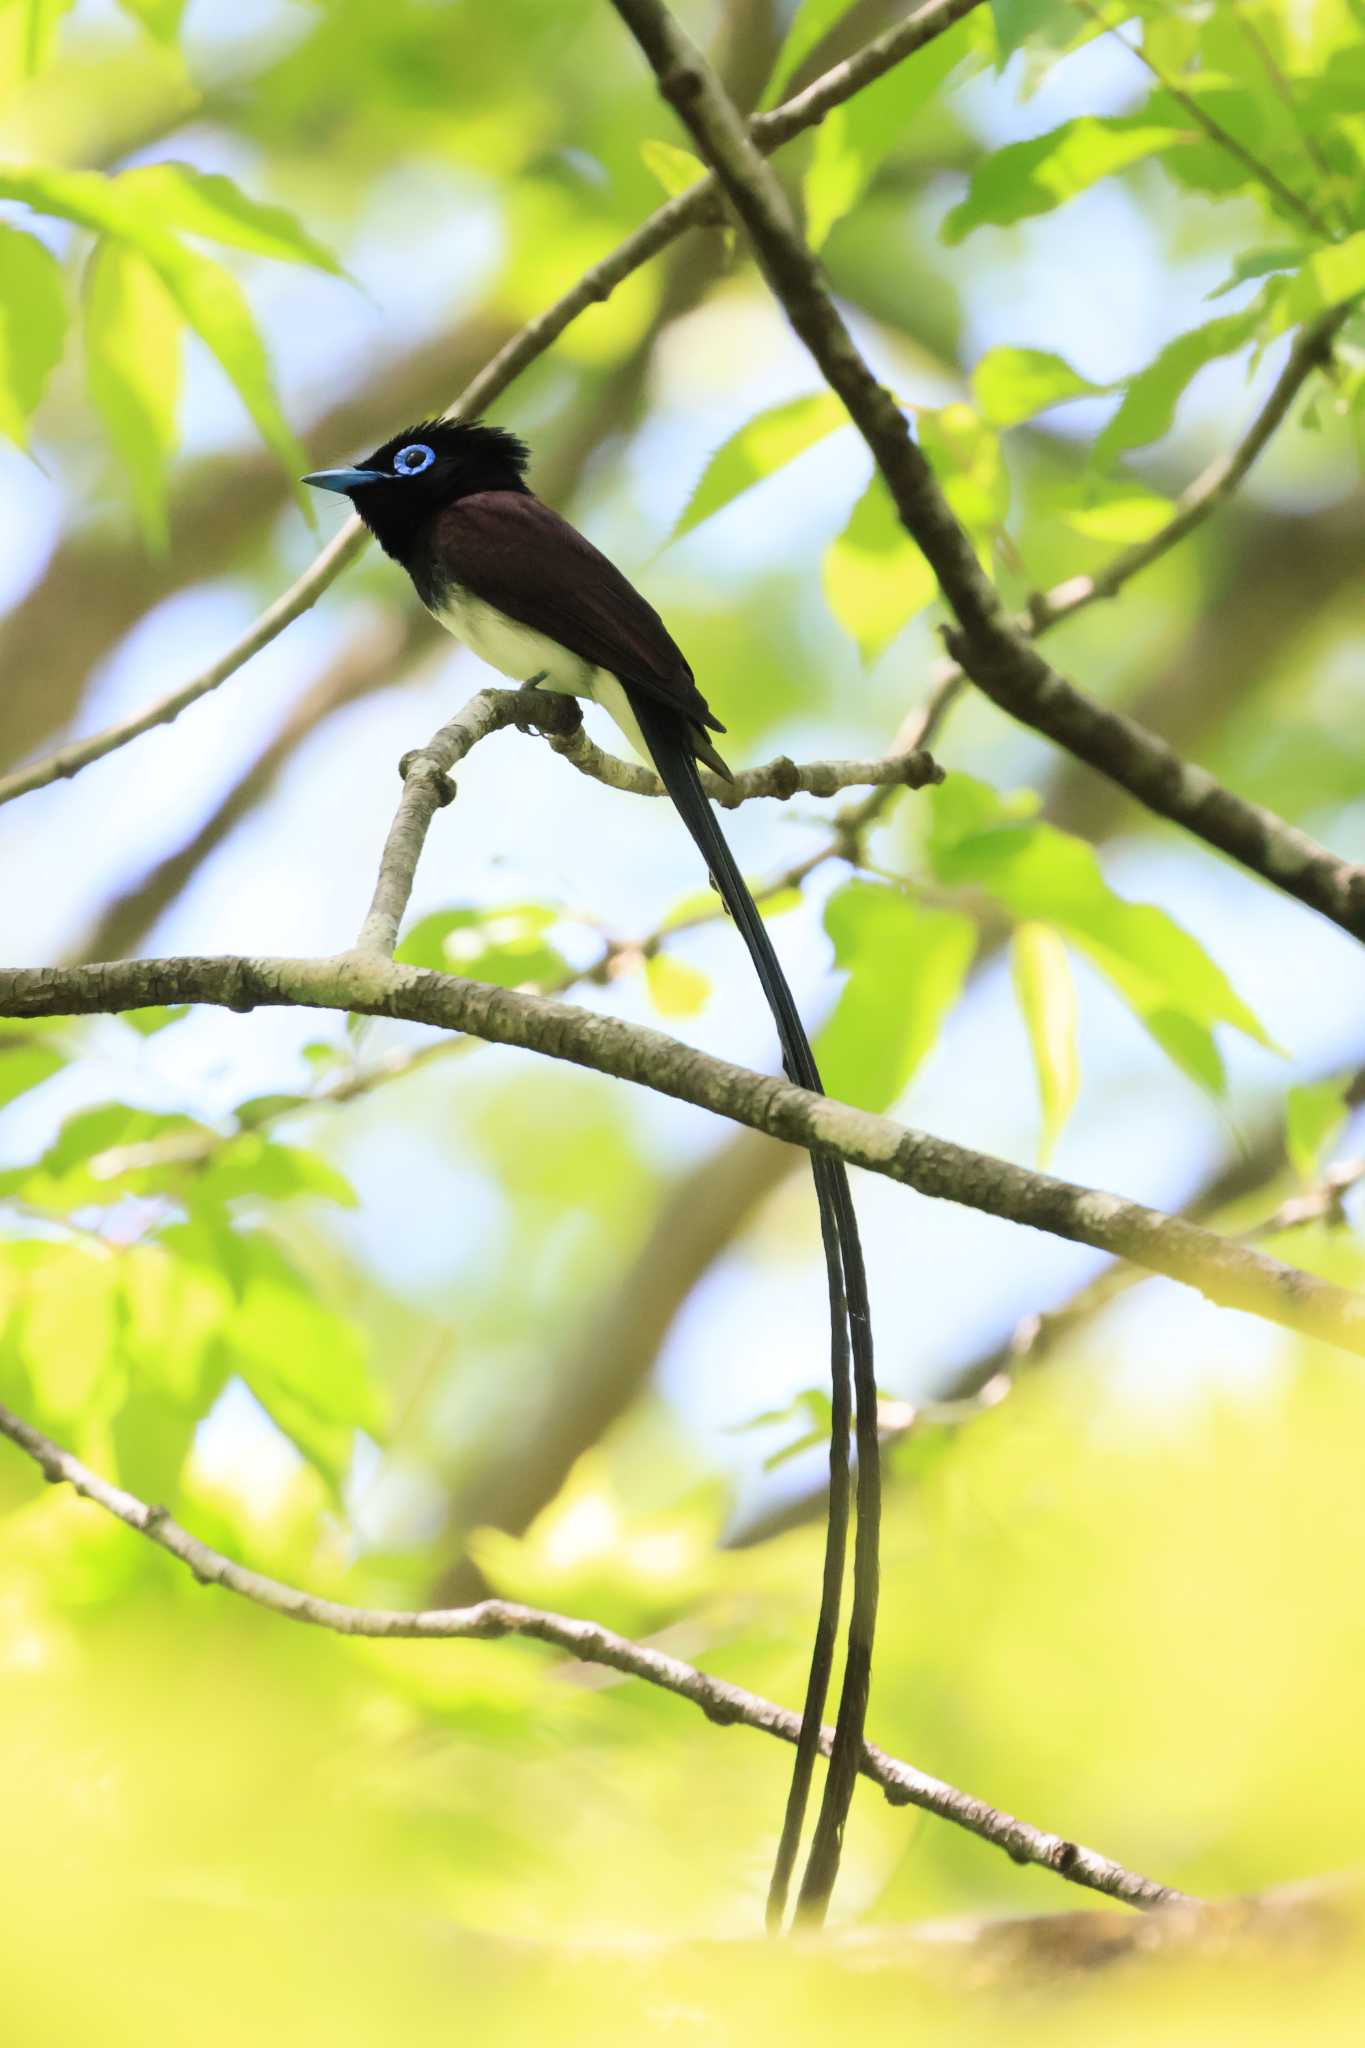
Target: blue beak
[344, 480]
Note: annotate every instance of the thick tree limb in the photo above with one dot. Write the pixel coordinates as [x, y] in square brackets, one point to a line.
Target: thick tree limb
[698, 204]
[719, 1700]
[986, 642]
[1231, 1275]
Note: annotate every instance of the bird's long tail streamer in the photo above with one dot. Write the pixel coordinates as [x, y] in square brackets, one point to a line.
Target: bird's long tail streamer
[850, 1331]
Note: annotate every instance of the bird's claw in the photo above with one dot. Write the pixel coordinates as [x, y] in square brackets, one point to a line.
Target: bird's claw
[523, 726]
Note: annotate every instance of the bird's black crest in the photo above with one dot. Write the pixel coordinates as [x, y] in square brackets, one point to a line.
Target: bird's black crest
[481, 451]
[417, 473]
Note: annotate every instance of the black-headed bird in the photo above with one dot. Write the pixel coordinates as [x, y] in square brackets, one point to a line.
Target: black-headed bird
[538, 602]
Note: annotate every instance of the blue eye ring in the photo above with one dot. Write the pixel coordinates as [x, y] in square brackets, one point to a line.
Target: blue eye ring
[413, 459]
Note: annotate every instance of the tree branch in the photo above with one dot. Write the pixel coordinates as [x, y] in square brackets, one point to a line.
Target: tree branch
[718, 1699]
[986, 642]
[427, 785]
[367, 982]
[698, 204]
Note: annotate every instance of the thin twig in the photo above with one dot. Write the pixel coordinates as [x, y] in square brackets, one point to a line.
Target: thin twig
[427, 786]
[719, 1700]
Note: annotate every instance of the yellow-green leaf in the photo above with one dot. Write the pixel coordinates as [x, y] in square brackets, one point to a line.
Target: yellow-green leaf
[965, 453]
[68, 1334]
[161, 18]
[835, 177]
[215, 306]
[29, 1054]
[1013, 384]
[210, 299]
[1329, 277]
[1046, 995]
[875, 578]
[764, 444]
[854, 139]
[504, 944]
[1120, 510]
[676, 169]
[1038, 873]
[32, 326]
[906, 966]
[811, 23]
[133, 353]
[29, 29]
[1313, 1114]
[1149, 403]
[675, 989]
[1033, 177]
[206, 203]
[1017, 21]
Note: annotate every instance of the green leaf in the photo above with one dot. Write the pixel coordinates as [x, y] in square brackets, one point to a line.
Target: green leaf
[1313, 1114]
[32, 326]
[1040, 874]
[154, 1017]
[32, 33]
[854, 139]
[68, 1332]
[215, 306]
[835, 178]
[1047, 997]
[1330, 277]
[764, 444]
[304, 1362]
[1019, 21]
[965, 454]
[161, 18]
[875, 578]
[675, 989]
[83, 1166]
[132, 350]
[252, 1167]
[28, 1056]
[1254, 263]
[1118, 509]
[175, 1311]
[1149, 403]
[503, 945]
[209, 298]
[322, 1054]
[811, 23]
[676, 169]
[1014, 384]
[263, 1109]
[1027, 178]
[206, 203]
[906, 966]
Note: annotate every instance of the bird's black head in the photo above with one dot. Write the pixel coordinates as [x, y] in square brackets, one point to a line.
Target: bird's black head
[398, 488]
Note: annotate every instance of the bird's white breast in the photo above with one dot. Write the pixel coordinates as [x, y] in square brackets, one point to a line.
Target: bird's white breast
[520, 652]
[514, 650]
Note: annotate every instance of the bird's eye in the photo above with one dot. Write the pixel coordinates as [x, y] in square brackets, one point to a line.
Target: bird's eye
[413, 459]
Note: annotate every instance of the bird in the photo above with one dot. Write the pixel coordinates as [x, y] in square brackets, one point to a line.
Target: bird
[513, 580]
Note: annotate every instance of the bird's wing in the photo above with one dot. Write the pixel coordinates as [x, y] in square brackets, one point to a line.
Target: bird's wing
[517, 554]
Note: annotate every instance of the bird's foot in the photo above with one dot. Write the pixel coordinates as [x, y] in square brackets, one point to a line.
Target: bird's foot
[534, 682]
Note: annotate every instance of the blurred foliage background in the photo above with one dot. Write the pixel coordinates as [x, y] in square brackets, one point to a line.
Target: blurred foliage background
[402, 1320]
